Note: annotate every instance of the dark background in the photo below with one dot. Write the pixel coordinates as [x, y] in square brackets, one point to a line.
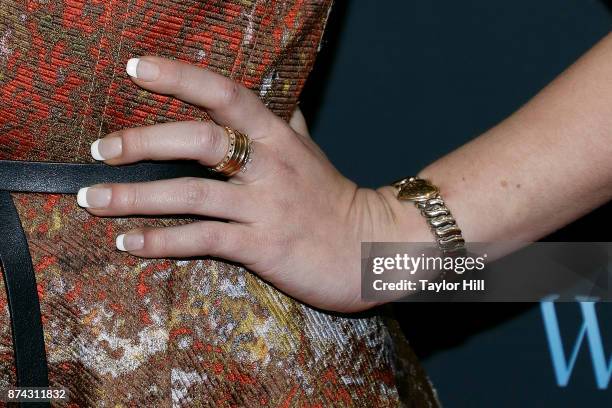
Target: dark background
[396, 85]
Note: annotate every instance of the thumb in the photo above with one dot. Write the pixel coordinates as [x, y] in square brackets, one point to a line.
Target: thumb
[298, 123]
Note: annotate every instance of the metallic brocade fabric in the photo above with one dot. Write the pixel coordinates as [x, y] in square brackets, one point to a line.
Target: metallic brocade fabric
[123, 331]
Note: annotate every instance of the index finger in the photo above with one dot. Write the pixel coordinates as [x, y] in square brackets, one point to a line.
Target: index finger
[228, 102]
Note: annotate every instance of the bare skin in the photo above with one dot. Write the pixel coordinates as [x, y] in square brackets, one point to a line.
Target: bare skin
[293, 219]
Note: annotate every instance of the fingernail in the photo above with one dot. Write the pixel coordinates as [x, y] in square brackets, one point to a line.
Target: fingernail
[107, 148]
[131, 241]
[94, 197]
[141, 69]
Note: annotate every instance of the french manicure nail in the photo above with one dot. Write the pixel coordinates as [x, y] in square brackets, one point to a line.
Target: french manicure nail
[141, 69]
[131, 241]
[107, 148]
[94, 197]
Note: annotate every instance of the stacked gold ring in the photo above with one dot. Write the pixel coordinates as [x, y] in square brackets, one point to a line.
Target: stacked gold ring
[238, 153]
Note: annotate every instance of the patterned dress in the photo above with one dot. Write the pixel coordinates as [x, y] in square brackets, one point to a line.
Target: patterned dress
[123, 331]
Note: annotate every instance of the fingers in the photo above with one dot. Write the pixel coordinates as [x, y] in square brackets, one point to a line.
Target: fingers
[203, 141]
[187, 195]
[197, 140]
[228, 102]
[234, 242]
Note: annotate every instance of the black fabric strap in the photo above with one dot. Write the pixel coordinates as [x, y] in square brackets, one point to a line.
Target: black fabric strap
[19, 278]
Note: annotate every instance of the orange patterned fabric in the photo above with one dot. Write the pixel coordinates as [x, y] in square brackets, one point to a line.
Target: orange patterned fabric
[124, 331]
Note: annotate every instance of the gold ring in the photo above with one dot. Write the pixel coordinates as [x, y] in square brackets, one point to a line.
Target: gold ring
[238, 153]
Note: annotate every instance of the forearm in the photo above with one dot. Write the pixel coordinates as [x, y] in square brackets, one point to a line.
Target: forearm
[543, 167]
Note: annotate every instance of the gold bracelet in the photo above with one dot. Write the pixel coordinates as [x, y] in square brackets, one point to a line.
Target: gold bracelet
[426, 197]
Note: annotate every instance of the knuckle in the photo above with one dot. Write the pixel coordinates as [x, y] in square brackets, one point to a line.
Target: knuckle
[278, 126]
[210, 239]
[205, 139]
[177, 79]
[126, 197]
[133, 141]
[280, 243]
[195, 191]
[155, 241]
[229, 94]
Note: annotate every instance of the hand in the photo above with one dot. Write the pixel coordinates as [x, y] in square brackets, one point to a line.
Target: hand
[292, 218]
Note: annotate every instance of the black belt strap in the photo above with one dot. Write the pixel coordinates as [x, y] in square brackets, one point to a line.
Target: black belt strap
[28, 341]
[68, 178]
[19, 278]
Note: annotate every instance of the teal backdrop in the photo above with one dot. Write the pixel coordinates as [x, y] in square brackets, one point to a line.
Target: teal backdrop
[400, 83]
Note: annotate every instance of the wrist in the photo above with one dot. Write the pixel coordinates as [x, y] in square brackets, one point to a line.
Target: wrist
[408, 224]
